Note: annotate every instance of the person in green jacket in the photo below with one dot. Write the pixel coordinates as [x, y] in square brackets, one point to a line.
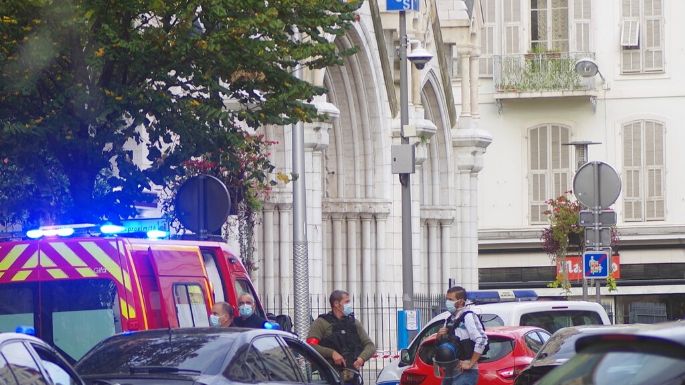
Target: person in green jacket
[339, 337]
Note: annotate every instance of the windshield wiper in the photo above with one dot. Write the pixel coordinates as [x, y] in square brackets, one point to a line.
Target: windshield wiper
[161, 369]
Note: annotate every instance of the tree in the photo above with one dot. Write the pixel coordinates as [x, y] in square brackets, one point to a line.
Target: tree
[84, 83]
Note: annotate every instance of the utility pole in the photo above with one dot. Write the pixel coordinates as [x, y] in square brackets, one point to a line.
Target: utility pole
[300, 244]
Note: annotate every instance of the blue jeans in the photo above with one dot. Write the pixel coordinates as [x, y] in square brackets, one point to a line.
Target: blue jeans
[467, 377]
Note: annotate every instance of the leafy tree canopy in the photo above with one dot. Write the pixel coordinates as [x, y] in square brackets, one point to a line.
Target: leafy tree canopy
[82, 82]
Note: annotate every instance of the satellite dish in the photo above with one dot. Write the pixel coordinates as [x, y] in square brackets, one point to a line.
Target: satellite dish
[203, 204]
[586, 68]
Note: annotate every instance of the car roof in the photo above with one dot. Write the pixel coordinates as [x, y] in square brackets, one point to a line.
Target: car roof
[20, 336]
[508, 331]
[673, 332]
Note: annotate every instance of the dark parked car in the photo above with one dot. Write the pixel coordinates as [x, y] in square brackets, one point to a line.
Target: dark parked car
[560, 348]
[205, 356]
[27, 360]
[648, 355]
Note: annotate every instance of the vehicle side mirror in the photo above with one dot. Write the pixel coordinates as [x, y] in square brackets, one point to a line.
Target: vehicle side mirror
[405, 358]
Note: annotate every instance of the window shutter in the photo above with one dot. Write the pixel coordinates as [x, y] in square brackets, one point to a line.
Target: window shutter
[654, 165]
[488, 37]
[653, 34]
[581, 23]
[631, 56]
[632, 208]
[512, 26]
[537, 139]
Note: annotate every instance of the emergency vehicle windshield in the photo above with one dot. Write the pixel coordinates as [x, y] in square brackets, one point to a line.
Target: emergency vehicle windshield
[72, 315]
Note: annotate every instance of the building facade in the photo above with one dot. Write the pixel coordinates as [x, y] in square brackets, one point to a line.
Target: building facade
[353, 200]
[533, 103]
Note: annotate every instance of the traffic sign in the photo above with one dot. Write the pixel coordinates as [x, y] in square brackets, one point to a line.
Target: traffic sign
[606, 218]
[596, 264]
[601, 238]
[596, 184]
[402, 5]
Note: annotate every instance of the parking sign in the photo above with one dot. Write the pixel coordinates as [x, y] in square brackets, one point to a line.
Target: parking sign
[402, 5]
[596, 264]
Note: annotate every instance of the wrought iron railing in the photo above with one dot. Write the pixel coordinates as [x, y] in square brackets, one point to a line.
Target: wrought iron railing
[534, 72]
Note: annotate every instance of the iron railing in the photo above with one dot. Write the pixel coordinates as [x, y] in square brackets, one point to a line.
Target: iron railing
[535, 72]
[378, 314]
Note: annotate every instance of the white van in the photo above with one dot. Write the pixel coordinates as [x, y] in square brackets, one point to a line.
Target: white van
[549, 315]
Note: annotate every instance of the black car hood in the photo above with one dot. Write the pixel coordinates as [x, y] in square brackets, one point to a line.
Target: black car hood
[144, 379]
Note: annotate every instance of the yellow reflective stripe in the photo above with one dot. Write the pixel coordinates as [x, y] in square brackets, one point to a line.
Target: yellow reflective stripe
[108, 263]
[2, 273]
[12, 256]
[21, 275]
[45, 261]
[68, 254]
[127, 310]
[57, 273]
[86, 272]
[137, 282]
[32, 262]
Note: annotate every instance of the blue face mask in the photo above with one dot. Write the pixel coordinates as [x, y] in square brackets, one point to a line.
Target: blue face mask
[213, 320]
[450, 305]
[347, 309]
[246, 310]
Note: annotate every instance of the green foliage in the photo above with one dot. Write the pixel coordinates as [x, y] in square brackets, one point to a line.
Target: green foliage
[86, 83]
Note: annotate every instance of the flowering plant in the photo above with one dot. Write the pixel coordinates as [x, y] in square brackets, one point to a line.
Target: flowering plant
[563, 216]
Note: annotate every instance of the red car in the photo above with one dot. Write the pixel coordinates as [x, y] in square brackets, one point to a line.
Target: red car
[512, 348]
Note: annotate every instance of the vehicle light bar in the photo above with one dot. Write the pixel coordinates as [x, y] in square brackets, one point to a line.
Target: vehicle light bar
[111, 229]
[156, 234]
[495, 296]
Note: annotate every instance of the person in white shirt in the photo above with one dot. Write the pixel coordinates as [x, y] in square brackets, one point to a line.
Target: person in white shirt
[471, 335]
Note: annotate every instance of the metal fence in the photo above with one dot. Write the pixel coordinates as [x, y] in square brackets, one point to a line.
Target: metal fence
[548, 71]
[378, 314]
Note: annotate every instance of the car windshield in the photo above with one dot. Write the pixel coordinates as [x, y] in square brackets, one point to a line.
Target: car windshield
[561, 346]
[73, 315]
[619, 367]
[134, 353]
[555, 320]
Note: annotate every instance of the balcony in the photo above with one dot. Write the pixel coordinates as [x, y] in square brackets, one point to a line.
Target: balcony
[541, 75]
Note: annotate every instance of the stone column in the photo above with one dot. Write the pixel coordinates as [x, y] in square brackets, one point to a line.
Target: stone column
[284, 253]
[383, 264]
[445, 252]
[433, 257]
[268, 226]
[352, 272]
[464, 70]
[366, 254]
[338, 250]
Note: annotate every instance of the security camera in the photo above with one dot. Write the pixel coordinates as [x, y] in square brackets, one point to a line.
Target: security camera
[586, 68]
[419, 57]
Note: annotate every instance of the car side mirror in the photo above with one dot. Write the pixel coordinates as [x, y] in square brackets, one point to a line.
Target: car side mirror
[405, 358]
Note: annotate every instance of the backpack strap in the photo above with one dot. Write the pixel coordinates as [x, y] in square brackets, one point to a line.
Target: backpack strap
[460, 320]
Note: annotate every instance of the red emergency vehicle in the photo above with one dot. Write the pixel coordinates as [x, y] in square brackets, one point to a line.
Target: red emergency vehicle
[76, 291]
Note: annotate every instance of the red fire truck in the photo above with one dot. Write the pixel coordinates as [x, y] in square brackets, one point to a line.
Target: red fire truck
[75, 291]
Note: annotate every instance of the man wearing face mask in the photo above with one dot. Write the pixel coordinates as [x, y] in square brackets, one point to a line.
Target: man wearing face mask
[468, 329]
[339, 337]
[222, 315]
[247, 318]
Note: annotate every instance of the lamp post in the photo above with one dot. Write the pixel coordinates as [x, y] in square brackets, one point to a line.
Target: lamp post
[419, 57]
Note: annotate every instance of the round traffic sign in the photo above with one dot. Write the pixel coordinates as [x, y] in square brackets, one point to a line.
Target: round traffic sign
[203, 204]
[596, 184]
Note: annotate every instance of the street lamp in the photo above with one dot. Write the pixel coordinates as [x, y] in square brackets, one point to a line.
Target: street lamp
[419, 57]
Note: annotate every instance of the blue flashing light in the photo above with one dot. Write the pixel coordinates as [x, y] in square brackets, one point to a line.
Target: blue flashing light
[111, 229]
[30, 330]
[65, 231]
[34, 234]
[156, 234]
[271, 325]
[496, 296]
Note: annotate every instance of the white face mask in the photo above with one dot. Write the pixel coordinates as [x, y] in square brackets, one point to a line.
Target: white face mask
[246, 310]
[451, 306]
[214, 320]
[347, 308]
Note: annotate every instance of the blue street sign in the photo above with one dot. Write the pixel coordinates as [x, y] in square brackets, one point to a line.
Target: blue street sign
[595, 264]
[402, 5]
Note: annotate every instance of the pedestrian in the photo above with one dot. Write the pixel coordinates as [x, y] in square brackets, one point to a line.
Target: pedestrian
[247, 317]
[339, 337]
[222, 315]
[468, 330]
